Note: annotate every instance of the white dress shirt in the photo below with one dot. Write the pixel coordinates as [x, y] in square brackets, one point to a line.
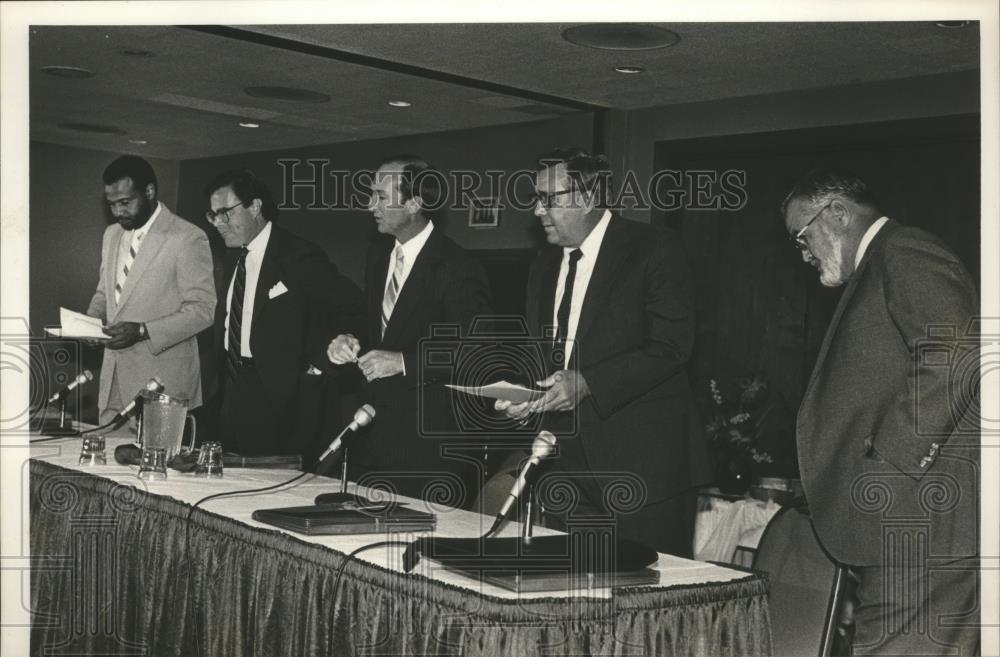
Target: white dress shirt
[590, 247]
[867, 238]
[256, 249]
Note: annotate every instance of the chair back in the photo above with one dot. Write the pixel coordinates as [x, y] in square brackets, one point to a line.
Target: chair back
[806, 586]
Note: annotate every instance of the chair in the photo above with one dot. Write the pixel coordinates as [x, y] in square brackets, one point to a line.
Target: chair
[807, 588]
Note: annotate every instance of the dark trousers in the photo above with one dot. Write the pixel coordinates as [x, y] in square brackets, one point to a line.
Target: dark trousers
[665, 525]
[250, 423]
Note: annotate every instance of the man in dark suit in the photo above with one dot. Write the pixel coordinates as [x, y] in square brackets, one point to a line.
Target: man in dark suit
[282, 301]
[416, 278]
[620, 298]
[887, 432]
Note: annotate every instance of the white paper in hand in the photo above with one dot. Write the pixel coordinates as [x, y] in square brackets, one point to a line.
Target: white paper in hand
[502, 390]
[78, 325]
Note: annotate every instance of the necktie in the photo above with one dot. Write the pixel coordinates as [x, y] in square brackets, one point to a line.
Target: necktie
[562, 316]
[236, 314]
[392, 291]
[133, 249]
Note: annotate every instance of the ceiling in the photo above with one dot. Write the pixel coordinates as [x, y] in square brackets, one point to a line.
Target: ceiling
[183, 94]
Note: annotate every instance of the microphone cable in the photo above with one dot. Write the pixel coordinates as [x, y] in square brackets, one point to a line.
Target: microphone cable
[343, 565]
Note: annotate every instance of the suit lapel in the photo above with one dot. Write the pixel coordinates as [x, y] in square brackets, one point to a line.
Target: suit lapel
[845, 299]
[614, 249]
[149, 247]
[415, 287]
[378, 269]
[549, 275]
[113, 247]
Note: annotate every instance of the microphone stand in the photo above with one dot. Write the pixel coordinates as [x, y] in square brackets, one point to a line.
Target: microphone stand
[529, 512]
[343, 498]
[60, 429]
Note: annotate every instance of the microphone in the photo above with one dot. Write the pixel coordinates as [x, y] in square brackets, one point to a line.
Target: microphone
[154, 385]
[362, 418]
[81, 378]
[541, 448]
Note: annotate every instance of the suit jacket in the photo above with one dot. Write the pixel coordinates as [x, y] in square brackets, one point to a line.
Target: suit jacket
[170, 289]
[289, 332]
[886, 431]
[633, 342]
[445, 286]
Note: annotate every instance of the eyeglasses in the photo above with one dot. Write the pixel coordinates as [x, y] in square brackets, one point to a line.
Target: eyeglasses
[545, 199]
[221, 216]
[797, 238]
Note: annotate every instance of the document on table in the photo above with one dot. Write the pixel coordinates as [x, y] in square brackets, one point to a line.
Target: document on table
[502, 390]
[79, 326]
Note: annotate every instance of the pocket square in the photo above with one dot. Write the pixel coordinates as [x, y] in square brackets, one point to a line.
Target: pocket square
[276, 290]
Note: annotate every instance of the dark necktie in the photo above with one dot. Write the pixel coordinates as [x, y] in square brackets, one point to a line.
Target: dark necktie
[562, 316]
[236, 314]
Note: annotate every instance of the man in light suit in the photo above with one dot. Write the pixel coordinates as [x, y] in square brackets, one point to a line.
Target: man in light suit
[888, 436]
[620, 298]
[155, 291]
[416, 278]
[283, 299]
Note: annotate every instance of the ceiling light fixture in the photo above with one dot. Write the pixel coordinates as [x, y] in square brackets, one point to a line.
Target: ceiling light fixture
[953, 25]
[67, 72]
[289, 94]
[140, 142]
[399, 103]
[630, 70]
[249, 124]
[621, 36]
[97, 128]
[135, 52]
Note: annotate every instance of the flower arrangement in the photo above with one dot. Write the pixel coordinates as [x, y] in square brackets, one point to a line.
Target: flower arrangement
[735, 423]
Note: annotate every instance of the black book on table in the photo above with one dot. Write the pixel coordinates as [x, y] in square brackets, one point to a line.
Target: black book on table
[342, 519]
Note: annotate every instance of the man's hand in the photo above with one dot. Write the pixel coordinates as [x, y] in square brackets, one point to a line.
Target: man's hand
[379, 364]
[565, 390]
[124, 334]
[512, 410]
[343, 349]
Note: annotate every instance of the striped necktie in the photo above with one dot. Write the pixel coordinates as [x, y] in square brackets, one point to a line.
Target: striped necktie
[392, 291]
[133, 249]
[235, 333]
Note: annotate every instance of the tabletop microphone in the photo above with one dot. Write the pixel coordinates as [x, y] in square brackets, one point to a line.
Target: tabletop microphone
[541, 448]
[81, 378]
[154, 385]
[362, 418]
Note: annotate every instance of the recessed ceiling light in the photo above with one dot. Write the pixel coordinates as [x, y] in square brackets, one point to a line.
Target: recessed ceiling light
[288, 94]
[67, 71]
[630, 70]
[97, 128]
[140, 142]
[135, 52]
[399, 103]
[620, 36]
[249, 124]
[953, 25]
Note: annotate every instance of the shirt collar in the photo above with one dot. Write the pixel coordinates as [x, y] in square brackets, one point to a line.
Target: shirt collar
[259, 242]
[412, 247]
[867, 238]
[141, 232]
[591, 244]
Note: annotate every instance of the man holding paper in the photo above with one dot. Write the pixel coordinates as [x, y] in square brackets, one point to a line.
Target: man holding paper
[619, 297]
[155, 291]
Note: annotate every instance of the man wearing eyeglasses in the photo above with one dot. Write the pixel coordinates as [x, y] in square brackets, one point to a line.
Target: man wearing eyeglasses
[618, 300]
[888, 438]
[282, 299]
[155, 291]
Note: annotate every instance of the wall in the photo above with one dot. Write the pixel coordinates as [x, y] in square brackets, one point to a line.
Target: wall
[631, 136]
[344, 233]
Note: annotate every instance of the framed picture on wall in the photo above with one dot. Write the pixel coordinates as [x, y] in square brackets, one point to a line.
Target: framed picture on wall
[484, 212]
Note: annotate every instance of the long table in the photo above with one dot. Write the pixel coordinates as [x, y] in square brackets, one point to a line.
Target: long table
[122, 566]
